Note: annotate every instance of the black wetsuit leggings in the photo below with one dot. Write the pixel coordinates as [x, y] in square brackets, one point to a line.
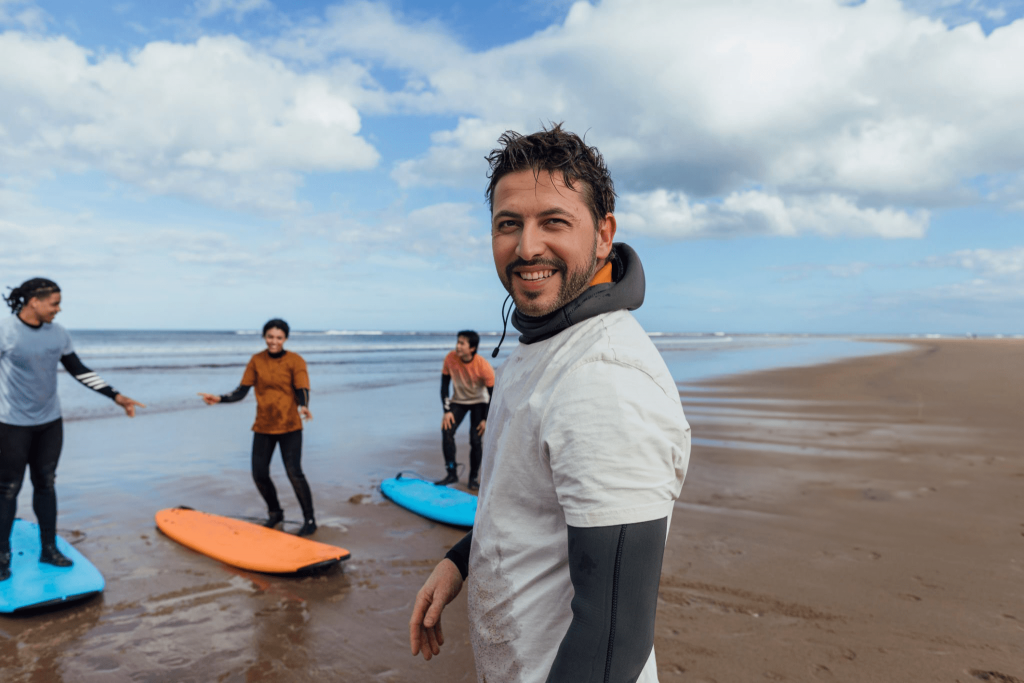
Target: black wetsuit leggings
[477, 413]
[291, 454]
[38, 448]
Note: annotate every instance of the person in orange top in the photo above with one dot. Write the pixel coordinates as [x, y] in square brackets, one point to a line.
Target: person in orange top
[473, 380]
[282, 396]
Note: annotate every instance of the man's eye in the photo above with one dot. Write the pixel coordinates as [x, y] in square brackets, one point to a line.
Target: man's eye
[506, 226]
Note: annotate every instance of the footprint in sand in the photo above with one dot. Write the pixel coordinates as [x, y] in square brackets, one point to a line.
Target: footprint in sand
[994, 676]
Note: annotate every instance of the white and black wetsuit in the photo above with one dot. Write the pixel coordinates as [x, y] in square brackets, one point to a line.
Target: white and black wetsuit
[31, 428]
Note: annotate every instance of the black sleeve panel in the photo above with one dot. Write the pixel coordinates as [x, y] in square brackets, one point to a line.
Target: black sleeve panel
[459, 554]
[238, 394]
[615, 572]
[302, 396]
[446, 382]
[76, 368]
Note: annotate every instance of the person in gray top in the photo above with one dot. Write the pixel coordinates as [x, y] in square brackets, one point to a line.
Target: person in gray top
[31, 428]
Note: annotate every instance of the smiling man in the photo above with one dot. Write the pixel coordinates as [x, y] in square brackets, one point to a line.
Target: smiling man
[586, 446]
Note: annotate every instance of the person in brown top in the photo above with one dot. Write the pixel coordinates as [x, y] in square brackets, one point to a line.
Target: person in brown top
[282, 402]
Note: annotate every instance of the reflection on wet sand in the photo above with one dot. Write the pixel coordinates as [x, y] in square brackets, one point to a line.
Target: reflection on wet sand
[61, 628]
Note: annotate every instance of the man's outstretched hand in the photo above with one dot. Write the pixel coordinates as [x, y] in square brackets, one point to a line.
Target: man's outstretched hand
[441, 587]
[128, 404]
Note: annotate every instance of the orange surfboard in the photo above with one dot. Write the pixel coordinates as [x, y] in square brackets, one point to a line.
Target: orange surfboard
[246, 545]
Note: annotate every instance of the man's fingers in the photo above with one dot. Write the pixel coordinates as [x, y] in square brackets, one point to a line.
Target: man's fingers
[425, 649]
[417, 633]
[432, 640]
[440, 634]
[414, 638]
[433, 615]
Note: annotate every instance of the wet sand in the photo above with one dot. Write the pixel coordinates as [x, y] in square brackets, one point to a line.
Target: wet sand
[856, 521]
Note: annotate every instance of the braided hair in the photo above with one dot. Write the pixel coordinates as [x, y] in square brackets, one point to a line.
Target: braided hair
[36, 287]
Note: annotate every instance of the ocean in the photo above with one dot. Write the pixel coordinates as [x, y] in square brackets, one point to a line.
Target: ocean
[166, 369]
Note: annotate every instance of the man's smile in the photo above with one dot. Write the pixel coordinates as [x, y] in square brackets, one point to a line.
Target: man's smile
[537, 275]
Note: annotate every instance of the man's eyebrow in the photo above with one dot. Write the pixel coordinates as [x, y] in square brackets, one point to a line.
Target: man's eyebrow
[554, 211]
[505, 213]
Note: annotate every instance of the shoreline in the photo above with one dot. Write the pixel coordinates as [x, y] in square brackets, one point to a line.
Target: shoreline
[807, 548]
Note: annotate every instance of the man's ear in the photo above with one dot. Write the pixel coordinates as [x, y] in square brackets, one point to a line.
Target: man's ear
[605, 236]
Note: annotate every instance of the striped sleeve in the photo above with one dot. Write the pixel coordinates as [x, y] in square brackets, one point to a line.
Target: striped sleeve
[76, 368]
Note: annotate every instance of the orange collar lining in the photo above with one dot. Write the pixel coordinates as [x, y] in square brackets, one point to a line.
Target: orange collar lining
[603, 276]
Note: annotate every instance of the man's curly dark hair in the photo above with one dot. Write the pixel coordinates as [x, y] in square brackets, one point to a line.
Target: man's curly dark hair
[556, 151]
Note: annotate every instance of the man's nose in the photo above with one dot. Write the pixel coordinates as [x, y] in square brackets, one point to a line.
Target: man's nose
[531, 242]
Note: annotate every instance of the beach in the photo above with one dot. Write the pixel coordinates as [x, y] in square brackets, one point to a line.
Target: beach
[857, 520]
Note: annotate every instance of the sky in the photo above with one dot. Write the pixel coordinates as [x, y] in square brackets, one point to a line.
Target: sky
[807, 166]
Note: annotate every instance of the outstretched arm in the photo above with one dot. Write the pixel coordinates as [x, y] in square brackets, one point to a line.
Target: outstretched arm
[238, 394]
[615, 572]
[76, 368]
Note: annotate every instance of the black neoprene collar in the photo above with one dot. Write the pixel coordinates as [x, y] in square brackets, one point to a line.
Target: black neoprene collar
[625, 291]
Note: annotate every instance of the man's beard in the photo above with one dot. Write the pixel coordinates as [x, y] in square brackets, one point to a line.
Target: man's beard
[573, 283]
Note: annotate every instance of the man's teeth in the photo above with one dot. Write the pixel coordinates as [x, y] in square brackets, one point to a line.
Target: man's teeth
[537, 276]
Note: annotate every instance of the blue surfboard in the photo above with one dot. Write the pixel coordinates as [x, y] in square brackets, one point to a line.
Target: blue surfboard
[34, 584]
[438, 503]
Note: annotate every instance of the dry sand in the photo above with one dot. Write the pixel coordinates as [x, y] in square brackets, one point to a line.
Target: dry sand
[857, 521]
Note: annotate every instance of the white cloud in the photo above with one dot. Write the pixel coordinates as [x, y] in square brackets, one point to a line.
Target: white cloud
[210, 8]
[22, 13]
[858, 116]
[443, 232]
[993, 263]
[707, 97]
[672, 215]
[215, 119]
[372, 30]
[456, 157]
